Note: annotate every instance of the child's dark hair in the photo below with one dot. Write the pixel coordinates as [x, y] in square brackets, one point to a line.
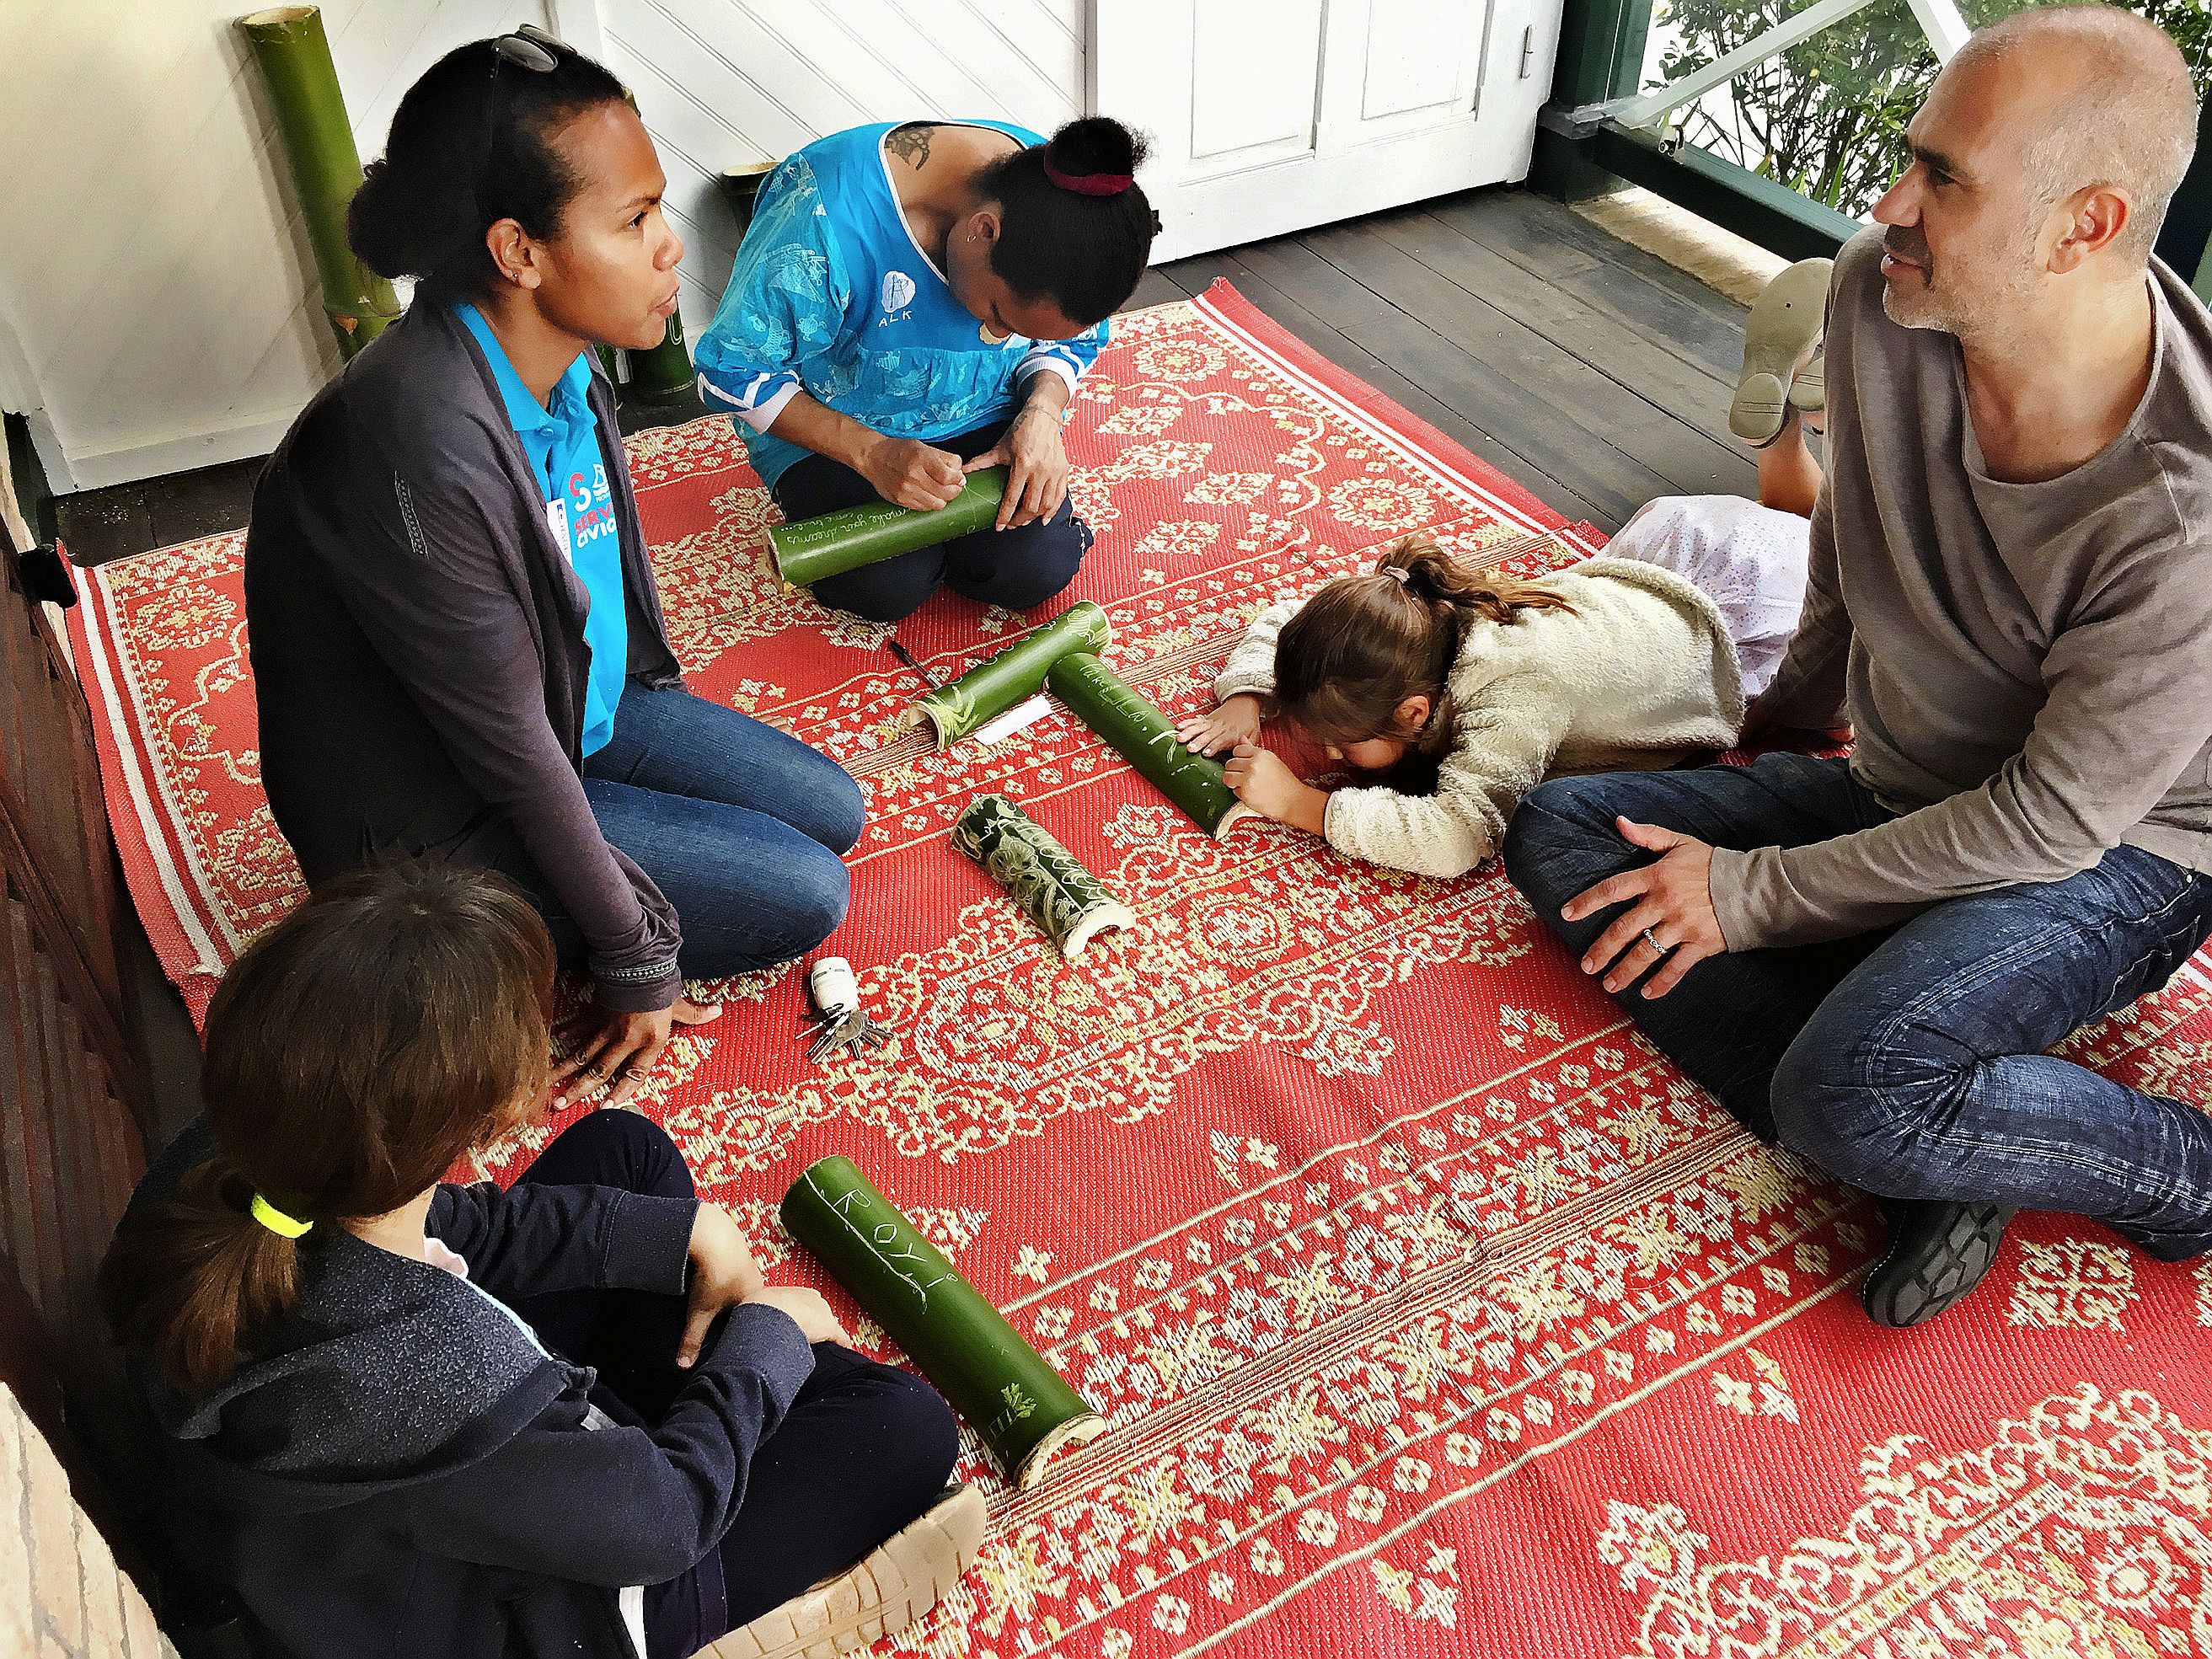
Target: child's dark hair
[1363, 645]
[470, 144]
[1074, 224]
[354, 1052]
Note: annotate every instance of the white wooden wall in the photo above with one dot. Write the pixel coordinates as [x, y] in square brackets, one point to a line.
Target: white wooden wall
[725, 82]
[158, 308]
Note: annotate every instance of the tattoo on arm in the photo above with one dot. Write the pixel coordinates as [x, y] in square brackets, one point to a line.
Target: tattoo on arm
[912, 142]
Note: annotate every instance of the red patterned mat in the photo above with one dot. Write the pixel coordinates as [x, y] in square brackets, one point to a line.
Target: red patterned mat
[1434, 1314]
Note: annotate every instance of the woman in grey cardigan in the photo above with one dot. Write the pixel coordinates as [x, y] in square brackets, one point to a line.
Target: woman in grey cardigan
[457, 648]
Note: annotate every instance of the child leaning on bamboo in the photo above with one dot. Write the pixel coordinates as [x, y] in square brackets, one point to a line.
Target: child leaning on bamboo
[1455, 690]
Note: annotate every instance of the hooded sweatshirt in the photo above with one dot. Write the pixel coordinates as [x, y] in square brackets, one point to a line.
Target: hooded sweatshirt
[402, 1470]
[1642, 663]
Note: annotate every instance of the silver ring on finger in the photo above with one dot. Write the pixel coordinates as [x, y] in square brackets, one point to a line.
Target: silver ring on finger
[1652, 939]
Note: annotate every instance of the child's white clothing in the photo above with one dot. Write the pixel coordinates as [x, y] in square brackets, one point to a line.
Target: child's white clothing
[1749, 560]
[1642, 662]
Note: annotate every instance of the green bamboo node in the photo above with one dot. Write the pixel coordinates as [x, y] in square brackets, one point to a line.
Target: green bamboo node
[1025, 1412]
[294, 57]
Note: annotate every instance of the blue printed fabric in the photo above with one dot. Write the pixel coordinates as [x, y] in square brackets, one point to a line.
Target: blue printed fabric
[831, 294]
[562, 444]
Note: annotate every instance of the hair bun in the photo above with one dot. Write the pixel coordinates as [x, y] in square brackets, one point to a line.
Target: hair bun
[402, 226]
[1094, 148]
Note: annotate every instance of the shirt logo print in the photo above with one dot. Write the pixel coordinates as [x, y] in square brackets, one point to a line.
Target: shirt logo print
[899, 290]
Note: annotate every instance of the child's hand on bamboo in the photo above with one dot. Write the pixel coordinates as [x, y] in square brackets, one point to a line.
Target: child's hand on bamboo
[723, 1275]
[1262, 780]
[1237, 721]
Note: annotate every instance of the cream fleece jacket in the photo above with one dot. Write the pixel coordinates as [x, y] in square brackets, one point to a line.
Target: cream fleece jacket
[1643, 663]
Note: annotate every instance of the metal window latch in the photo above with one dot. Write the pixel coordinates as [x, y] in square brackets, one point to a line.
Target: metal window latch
[1528, 49]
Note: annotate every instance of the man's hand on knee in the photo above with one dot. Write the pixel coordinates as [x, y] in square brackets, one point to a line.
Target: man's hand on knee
[1670, 913]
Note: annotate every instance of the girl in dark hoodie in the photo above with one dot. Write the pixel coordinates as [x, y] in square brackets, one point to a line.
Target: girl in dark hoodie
[403, 1417]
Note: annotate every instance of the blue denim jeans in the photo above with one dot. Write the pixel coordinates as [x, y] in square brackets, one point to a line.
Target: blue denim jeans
[739, 826]
[1910, 1062]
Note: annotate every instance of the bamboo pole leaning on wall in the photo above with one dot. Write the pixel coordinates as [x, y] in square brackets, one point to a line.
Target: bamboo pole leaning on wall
[294, 57]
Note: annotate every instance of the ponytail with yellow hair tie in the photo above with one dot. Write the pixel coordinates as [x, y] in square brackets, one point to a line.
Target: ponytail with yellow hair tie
[283, 1225]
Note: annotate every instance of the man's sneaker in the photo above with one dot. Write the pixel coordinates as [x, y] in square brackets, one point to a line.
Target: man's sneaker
[1784, 326]
[1937, 1253]
[898, 1581]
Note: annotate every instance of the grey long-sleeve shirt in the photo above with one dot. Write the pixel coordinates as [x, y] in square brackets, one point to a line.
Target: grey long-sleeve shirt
[417, 638]
[2028, 666]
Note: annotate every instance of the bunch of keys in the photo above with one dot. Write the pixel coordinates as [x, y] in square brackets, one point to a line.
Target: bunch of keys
[839, 1022]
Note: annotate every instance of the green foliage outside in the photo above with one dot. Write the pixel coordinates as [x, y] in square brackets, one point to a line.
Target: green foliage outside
[1828, 118]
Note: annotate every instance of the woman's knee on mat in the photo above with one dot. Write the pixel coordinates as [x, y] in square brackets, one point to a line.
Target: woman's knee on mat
[1019, 569]
[885, 592]
[836, 812]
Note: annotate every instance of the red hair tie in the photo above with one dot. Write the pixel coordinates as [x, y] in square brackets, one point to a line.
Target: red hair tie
[1089, 184]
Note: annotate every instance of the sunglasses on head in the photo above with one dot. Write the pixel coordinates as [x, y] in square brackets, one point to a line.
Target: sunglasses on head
[527, 48]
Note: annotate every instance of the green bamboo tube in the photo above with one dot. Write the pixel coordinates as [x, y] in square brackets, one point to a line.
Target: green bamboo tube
[294, 57]
[1023, 1409]
[1066, 902]
[1145, 738]
[999, 682]
[833, 543]
[662, 374]
[741, 191]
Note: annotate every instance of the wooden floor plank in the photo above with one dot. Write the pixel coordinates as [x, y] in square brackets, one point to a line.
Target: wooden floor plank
[1195, 274]
[1155, 288]
[97, 525]
[1682, 387]
[1638, 289]
[188, 506]
[1595, 411]
[1533, 428]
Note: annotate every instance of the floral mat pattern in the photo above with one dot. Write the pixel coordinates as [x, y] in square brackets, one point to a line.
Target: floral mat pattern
[1434, 1314]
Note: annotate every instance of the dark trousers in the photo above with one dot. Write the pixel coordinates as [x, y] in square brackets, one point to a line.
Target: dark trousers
[1909, 1063]
[1013, 568]
[864, 1449]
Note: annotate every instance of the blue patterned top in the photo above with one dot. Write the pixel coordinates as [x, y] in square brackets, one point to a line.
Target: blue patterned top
[831, 293]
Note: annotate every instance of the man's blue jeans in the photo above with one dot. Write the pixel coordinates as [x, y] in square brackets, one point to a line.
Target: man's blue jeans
[739, 826]
[1909, 1063]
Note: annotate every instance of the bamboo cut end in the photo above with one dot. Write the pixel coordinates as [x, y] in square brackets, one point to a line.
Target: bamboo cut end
[1069, 1437]
[277, 17]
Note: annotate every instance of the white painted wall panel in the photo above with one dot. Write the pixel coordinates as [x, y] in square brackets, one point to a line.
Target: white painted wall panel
[154, 275]
[158, 308]
[726, 82]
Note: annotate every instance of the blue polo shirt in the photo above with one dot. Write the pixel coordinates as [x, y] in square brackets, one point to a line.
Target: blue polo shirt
[563, 444]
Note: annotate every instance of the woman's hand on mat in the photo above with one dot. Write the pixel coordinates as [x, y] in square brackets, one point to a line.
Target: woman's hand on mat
[1037, 467]
[1237, 721]
[623, 1050]
[723, 1275]
[1670, 911]
[907, 472]
[1260, 780]
[807, 1310]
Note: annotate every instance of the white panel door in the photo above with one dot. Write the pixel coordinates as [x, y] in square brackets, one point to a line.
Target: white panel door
[1268, 116]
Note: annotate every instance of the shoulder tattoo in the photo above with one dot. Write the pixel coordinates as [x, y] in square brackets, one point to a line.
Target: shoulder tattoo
[910, 143]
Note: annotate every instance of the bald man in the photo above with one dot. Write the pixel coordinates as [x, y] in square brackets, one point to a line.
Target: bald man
[2011, 602]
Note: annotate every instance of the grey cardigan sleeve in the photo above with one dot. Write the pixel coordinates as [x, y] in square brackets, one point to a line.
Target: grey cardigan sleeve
[434, 598]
